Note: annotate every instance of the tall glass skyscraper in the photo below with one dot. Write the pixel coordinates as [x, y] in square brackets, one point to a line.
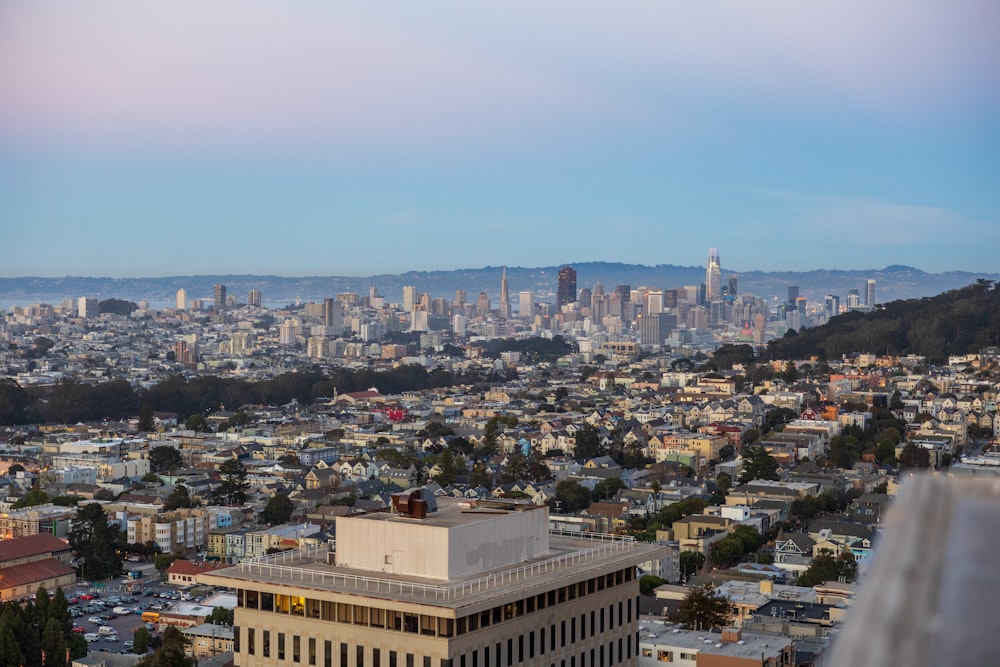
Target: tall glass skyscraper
[713, 276]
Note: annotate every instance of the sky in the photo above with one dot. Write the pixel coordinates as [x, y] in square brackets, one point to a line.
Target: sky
[142, 138]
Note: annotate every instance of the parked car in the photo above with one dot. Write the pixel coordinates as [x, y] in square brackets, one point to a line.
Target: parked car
[111, 638]
[86, 596]
[79, 629]
[95, 620]
[92, 637]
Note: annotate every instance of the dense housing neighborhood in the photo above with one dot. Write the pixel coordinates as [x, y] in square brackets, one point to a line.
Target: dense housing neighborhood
[219, 447]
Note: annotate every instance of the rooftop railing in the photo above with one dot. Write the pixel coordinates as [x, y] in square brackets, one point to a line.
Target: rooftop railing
[277, 567]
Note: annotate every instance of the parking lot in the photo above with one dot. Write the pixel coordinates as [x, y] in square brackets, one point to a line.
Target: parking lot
[136, 595]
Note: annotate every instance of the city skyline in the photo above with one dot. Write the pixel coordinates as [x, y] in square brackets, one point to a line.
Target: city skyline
[357, 140]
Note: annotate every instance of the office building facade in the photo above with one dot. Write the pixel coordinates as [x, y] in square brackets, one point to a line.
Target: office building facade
[470, 584]
[566, 286]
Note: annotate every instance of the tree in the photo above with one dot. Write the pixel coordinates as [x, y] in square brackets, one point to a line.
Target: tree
[827, 568]
[587, 443]
[690, 563]
[162, 562]
[573, 495]
[197, 423]
[54, 644]
[278, 509]
[10, 648]
[164, 457]
[538, 471]
[702, 609]
[34, 496]
[170, 652]
[494, 427]
[448, 468]
[179, 497]
[845, 450]
[758, 464]
[146, 421]
[481, 476]
[289, 460]
[648, 582]
[15, 468]
[914, 456]
[140, 640]
[516, 468]
[233, 487]
[725, 481]
[607, 488]
[220, 616]
[95, 542]
[885, 452]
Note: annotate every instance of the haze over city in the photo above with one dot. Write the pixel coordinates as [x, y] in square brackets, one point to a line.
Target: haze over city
[357, 139]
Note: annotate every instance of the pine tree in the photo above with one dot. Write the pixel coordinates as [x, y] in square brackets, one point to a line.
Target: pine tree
[54, 644]
[10, 648]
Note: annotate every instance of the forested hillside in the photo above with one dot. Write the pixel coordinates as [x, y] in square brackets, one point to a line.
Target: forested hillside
[961, 321]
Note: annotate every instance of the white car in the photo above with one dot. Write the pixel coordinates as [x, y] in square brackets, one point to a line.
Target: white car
[111, 638]
[95, 620]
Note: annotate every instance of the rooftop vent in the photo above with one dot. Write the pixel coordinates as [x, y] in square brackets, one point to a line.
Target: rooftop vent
[411, 503]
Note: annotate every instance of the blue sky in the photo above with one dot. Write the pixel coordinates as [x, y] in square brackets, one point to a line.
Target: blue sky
[357, 138]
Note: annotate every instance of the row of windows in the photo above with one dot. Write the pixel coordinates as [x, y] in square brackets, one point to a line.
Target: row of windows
[491, 656]
[434, 626]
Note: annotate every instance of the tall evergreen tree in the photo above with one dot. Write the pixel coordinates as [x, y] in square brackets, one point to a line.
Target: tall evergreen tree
[233, 487]
[54, 644]
[95, 542]
[12, 620]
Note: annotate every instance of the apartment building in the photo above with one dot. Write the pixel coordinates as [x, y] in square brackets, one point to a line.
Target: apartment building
[467, 584]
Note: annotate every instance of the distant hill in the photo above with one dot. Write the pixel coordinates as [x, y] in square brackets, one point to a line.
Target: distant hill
[961, 321]
[892, 282]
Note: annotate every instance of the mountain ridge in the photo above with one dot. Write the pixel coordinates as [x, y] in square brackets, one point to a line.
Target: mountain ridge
[892, 282]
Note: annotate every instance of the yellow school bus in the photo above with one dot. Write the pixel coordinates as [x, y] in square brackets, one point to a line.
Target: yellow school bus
[150, 617]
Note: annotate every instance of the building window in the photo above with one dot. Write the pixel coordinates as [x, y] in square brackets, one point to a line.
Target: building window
[267, 644]
[392, 659]
[343, 653]
[327, 653]
[251, 643]
[665, 656]
[360, 658]
[236, 639]
[296, 648]
[312, 650]
[281, 646]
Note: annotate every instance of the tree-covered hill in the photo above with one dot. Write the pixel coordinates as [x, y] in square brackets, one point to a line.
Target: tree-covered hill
[961, 321]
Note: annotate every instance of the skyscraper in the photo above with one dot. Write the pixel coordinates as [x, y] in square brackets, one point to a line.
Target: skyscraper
[253, 298]
[566, 286]
[409, 297]
[182, 299]
[333, 314]
[527, 306]
[504, 297]
[870, 293]
[220, 297]
[713, 276]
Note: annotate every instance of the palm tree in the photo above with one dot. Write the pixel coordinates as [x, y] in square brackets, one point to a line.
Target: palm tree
[655, 488]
